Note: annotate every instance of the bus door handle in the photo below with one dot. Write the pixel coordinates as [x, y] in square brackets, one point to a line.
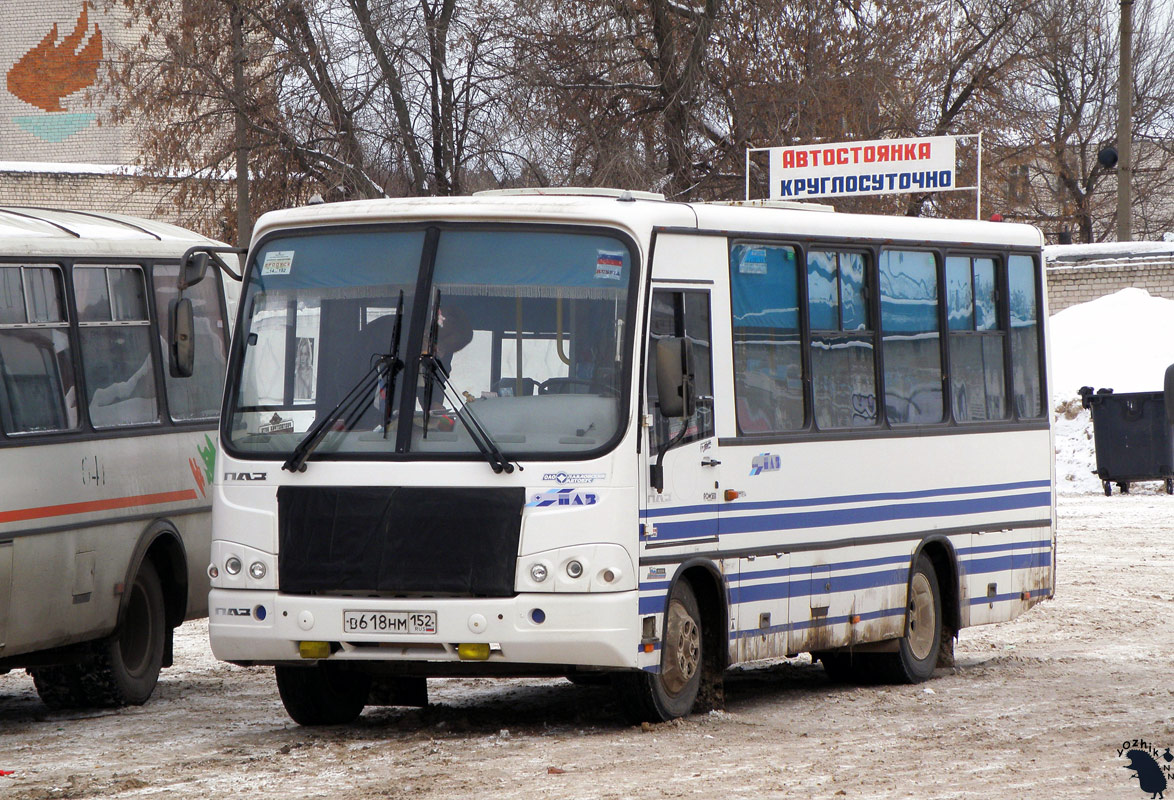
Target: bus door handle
[709, 462]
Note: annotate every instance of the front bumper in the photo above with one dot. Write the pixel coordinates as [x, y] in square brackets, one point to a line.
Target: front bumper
[265, 627]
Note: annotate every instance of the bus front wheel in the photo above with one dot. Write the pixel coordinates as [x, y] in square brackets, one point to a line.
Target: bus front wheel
[322, 694]
[672, 691]
[917, 650]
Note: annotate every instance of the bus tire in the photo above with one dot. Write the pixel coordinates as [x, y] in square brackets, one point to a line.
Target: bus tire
[672, 691]
[126, 666]
[917, 651]
[322, 694]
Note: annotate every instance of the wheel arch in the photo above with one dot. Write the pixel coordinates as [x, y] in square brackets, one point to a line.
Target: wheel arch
[161, 544]
[944, 558]
[712, 593]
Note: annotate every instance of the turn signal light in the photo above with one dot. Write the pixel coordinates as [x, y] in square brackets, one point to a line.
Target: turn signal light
[314, 649]
[476, 651]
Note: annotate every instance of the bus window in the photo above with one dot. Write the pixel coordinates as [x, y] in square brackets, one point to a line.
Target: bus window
[977, 377]
[912, 341]
[36, 370]
[682, 314]
[197, 397]
[1025, 336]
[843, 342]
[768, 367]
[116, 345]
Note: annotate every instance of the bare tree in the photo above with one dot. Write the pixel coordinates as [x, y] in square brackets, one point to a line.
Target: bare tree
[1063, 112]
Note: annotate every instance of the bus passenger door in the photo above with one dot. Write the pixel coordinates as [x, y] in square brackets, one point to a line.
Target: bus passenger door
[683, 517]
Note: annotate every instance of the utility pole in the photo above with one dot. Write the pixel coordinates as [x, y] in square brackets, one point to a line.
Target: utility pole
[244, 216]
[1124, 120]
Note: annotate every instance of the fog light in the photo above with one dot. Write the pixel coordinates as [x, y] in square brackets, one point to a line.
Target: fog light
[213, 572]
[574, 569]
[476, 651]
[538, 573]
[314, 649]
[257, 570]
[233, 565]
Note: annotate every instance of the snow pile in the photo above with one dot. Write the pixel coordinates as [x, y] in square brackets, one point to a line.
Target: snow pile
[1124, 342]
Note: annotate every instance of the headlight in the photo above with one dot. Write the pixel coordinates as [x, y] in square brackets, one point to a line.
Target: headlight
[257, 570]
[233, 565]
[538, 573]
[574, 569]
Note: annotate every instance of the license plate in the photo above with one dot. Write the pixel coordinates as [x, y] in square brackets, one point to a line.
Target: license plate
[410, 622]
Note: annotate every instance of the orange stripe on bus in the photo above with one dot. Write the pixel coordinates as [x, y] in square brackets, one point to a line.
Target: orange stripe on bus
[97, 505]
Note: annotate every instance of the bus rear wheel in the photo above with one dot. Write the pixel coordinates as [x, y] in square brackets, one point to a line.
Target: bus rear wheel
[121, 670]
[322, 694]
[917, 650]
[672, 691]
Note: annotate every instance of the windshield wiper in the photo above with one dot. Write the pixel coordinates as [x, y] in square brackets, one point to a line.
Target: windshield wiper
[354, 400]
[489, 449]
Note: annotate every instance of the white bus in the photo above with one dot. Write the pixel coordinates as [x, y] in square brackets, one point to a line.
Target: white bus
[600, 434]
[105, 459]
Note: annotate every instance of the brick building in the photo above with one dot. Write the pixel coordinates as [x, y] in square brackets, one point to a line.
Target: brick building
[55, 149]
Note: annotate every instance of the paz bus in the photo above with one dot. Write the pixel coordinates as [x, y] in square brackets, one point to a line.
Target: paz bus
[105, 458]
[600, 435]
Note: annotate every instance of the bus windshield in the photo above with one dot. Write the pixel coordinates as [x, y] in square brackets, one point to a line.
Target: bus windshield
[521, 330]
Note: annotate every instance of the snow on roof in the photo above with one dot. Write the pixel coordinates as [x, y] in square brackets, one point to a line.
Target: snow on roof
[1106, 252]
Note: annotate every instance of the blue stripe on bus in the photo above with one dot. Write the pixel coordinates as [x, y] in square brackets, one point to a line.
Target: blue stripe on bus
[840, 499]
[760, 523]
[1003, 598]
[805, 624]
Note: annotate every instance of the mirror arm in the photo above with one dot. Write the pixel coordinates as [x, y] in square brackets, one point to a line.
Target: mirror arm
[656, 472]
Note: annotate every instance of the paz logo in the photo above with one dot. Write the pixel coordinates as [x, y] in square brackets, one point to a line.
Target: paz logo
[50, 72]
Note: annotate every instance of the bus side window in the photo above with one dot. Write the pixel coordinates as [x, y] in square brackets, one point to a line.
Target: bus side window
[768, 359]
[843, 340]
[911, 336]
[977, 377]
[197, 397]
[115, 337]
[37, 388]
[676, 313]
[1025, 355]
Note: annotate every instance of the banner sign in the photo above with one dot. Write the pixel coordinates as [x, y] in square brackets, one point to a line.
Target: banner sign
[844, 169]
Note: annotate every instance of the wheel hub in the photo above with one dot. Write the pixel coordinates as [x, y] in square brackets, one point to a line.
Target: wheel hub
[682, 648]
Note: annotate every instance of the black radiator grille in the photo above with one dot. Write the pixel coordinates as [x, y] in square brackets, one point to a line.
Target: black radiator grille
[443, 541]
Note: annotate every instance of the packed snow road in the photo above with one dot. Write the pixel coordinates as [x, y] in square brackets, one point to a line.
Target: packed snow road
[1039, 705]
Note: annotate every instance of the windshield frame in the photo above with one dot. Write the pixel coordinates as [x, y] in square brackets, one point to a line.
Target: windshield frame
[415, 335]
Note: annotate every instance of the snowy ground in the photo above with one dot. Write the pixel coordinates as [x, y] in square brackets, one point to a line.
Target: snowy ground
[1036, 706]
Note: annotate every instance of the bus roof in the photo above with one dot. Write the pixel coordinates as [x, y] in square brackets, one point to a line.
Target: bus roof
[641, 212]
[33, 231]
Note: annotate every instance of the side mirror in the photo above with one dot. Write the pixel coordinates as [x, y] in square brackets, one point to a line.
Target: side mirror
[1168, 396]
[182, 346]
[192, 268]
[674, 377]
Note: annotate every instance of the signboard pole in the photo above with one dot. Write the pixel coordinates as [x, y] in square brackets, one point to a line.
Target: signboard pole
[978, 182]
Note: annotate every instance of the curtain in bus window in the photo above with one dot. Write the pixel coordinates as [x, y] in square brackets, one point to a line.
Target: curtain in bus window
[768, 371]
[11, 296]
[197, 397]
[911, 337]
[37, 389]
[117, 365]
[977, 385]
[843, 349]
[1025, 356]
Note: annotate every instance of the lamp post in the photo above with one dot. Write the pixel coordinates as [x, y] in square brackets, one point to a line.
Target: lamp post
[1124, 118]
